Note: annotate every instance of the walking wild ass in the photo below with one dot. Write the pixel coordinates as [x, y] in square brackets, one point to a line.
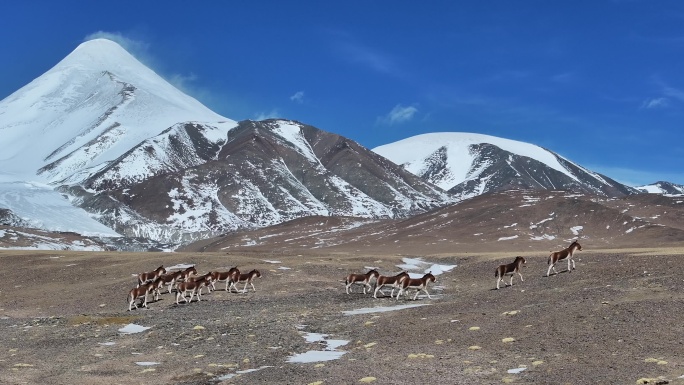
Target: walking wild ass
[363, 279]
[512, 268]
[563, 254]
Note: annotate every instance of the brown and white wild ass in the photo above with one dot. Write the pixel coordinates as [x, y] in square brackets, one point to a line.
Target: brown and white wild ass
[229, 277]
[169, 279]
[512, 268]
[419, 284]
[563, 254]
[393, 281]
[137, 292]
[152, 275]
[194, 287]
[363, 279]
[208, 278]
[245, 278]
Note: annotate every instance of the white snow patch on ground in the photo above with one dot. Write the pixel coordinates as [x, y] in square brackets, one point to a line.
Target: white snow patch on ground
[424, 267]
[516, 370]
[132, 329]
[269, 261]
[180, 266]
[576, 229]
[543, 237]
[146, 363]
[330, 353]
[507, 238]
[380, 309]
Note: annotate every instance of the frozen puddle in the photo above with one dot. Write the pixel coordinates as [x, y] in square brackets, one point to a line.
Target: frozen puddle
[381, 309]
[516, 370]
[180, 266]
[231, 375]
[424, 267]
[330, 353]
[132, 329]
[146, 363]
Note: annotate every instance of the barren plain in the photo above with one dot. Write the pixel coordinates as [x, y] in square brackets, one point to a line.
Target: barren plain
[616, 319]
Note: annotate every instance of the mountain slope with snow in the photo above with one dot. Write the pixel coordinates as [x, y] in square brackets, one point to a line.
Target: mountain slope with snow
[103, 133]
[89, 109]
[662, 188]
[467, 164]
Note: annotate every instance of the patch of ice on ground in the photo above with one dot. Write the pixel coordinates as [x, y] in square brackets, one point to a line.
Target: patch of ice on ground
[231, 375]
[146, 363]
[330, 353]
[284, 268]
[107, 343]
[516, 370]
[269, 261]
[380, 309]
[180, 266]
[425, 267]
[132, 329]
[507, 238]
[576, 229]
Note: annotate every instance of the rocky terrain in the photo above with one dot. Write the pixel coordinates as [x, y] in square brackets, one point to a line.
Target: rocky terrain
[616, 319]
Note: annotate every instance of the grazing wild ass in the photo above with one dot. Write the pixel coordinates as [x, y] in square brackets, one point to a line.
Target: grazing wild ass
[245, 278]
[229, 276]
[393, 281]
[512, 268]
[363, 279]
[563, 254]
[137, 292]
[151, 276]
[419, 284]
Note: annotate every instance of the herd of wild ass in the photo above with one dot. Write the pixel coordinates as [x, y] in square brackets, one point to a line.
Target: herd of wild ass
[188, 282]
[403, 282]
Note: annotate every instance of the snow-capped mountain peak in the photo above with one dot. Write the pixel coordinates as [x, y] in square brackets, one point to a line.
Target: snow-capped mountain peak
[468, 164]
[87, 110]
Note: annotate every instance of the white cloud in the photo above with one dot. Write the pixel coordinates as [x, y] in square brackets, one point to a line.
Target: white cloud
[267, 115]
[298, 97]
[137, 48]
[655, 103]
[399, 114]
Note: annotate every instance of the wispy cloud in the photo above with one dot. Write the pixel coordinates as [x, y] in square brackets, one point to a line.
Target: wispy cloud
[135, 47]
[399, 114]
[654, 103]
[298, 97]
[368, 57]
[267, 115]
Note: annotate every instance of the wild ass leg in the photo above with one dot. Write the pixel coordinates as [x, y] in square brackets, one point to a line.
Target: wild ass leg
[375, 293]
[552, 266]
[348, 286]
[498, 280]
[367, 285]
[418, 292]
[253, 288]
[573, 262]
[521, 278]
[512, 275]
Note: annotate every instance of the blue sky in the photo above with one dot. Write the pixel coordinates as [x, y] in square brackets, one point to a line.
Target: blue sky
[600, 82]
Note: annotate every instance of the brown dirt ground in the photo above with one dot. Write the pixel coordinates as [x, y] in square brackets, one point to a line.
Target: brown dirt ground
[617, 319]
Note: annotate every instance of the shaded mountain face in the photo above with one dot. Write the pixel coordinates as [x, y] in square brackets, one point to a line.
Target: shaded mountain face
[182, 185]
[467, 165]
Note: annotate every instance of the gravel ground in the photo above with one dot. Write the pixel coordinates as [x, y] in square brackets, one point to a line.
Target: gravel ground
[616, 319]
